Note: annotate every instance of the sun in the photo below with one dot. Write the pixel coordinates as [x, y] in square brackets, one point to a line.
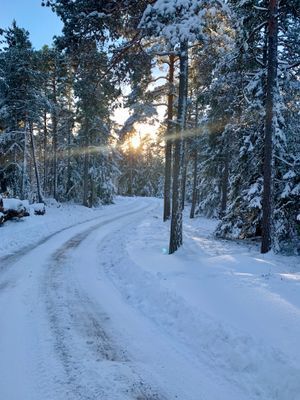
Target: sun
[135, 141]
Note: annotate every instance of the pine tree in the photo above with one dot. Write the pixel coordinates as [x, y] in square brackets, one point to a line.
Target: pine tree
[258, 98]
[21, 102]
[179, 24]
[271, 88]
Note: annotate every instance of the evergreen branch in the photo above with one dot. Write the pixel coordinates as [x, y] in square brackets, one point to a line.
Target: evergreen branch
[160, 104]
[284, 161]
[296, 64]
[260, 8]
[260, 62]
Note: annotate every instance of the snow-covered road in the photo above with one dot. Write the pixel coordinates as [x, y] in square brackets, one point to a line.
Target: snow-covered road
[98, 311]
[53, 336]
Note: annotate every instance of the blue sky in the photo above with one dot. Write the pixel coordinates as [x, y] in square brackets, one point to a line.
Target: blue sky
[41, 22]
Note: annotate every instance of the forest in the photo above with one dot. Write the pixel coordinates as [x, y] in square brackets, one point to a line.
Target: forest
[150, 200]
[216, 85]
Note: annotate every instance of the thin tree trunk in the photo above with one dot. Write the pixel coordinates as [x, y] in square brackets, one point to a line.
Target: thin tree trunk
[184, 172]
[29, 175]
[176, 220]
[86, 171]
[45, 152]
[69, 150]
[130, 188]
[195, 177]
[168, 147]
[69, 183]
[37, 176]
[269, 126]
[185, 144]
[195, 173]
[24, 171]
[54, 135]
[224, 184]
[91, 196]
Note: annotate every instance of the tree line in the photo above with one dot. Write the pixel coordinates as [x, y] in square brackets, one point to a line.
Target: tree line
[227, 73]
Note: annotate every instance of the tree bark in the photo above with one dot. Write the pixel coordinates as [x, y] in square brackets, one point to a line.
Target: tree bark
[91, 196]
[168, 147]
[184, 173]
[195, 188]
[54, 134]
[86, 170]
[195, 193]
[69, 150]
[37, 175]
[176, 219]
[69, 183]
[269, 126]
[24, 171]
[185, 144]
[45, 141]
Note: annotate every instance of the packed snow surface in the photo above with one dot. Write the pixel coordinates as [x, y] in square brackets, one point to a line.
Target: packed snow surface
[99, 310]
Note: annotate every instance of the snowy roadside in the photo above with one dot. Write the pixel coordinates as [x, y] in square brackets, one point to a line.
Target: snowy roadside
[232, 311]
[28, 231]
[213, 321]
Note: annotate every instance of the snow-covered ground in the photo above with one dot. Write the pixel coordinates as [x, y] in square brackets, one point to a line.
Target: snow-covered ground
[100, 311]
[19, 234]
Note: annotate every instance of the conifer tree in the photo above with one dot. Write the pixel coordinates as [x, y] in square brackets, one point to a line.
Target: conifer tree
[21, 102]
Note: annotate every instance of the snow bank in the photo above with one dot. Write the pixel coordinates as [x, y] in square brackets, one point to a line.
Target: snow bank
[230, 309]
[18, 234]
[15, 204]
[39, 208]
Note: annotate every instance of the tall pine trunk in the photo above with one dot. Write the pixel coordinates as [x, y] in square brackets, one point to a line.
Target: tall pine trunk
[176, 219]
[24, 191]
[130, 182]
[69, 182]
[54, 133]
[45, 161]
[195, 172]
[37, 175]
[70, 125]
[185, 159]
[195, 186]
[168, 147]
[269, 126]
[54, 138]
[184, 173]
[86, 162]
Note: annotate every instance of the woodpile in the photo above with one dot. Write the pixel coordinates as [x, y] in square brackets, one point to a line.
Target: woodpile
[12, 208]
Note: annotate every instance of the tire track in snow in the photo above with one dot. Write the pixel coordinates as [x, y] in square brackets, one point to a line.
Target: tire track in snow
[72, 313]
[8, 261]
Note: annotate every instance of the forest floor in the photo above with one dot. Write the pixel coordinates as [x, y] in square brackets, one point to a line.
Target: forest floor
[92, 308]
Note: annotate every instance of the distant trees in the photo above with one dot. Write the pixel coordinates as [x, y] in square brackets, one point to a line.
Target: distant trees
[101, 41]
[141, 168]
[55, 122]
[229, 78]
[20, 104]
[62, 141]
